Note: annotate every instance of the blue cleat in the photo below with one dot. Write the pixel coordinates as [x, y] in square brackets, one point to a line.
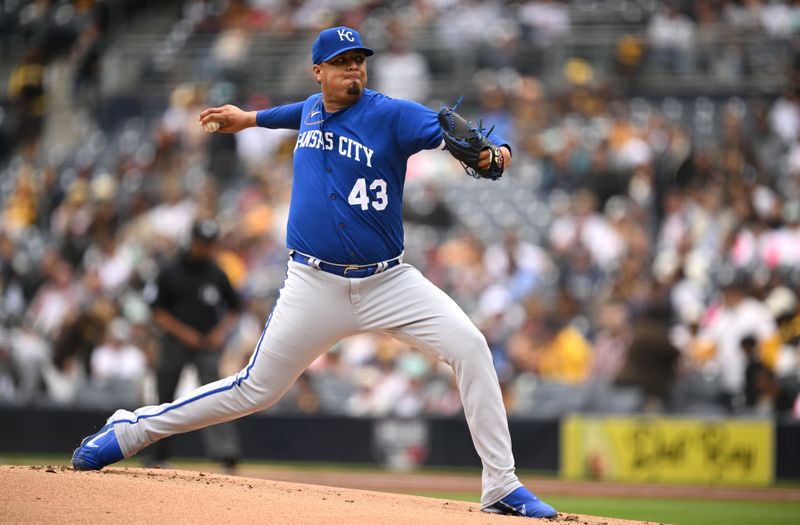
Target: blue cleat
[521, 502]
[98, 450]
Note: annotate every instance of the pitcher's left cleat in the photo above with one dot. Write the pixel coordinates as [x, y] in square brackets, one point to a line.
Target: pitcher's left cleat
[98, 450]
[521, 502]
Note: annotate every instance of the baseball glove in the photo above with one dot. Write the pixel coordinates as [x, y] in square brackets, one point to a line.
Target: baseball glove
[465, 142]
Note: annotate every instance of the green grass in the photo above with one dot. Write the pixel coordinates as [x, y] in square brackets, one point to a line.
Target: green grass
[684, 512]
[673, 511]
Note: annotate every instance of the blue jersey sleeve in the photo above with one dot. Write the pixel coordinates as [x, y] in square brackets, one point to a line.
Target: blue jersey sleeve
[417, 127]
[281, 117]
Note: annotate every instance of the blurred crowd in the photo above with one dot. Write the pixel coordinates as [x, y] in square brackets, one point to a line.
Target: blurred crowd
[641, 255]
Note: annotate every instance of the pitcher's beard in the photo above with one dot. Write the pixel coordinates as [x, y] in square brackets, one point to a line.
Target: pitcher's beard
[354, 89]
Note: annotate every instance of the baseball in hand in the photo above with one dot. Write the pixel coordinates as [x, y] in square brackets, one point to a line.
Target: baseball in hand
[211, 126]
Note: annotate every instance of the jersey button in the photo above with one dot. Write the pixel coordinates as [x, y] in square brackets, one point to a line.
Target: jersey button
[328, 170]
[352, 254]
[341, 225]
[333, 196]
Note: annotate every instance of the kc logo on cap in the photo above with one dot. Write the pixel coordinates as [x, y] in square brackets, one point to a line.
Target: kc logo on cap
[335, 41]
[345, 33]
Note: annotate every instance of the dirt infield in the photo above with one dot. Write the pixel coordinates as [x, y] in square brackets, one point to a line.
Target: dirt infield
[454, 483]
[58, 494]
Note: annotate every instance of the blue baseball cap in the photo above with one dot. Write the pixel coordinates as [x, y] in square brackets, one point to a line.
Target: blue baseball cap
[335, 41]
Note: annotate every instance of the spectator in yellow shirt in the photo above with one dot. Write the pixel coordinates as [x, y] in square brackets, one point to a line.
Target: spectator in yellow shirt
[551, 349]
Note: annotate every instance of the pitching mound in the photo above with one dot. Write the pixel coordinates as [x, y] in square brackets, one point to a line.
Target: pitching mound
[36, 494]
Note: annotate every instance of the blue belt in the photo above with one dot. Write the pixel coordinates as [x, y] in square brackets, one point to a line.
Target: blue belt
[351, 271]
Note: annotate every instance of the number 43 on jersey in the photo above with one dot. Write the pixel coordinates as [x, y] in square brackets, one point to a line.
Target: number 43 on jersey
[359, 196]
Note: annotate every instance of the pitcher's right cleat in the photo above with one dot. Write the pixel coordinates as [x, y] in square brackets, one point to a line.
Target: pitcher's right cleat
[98, 450]
[521, 502]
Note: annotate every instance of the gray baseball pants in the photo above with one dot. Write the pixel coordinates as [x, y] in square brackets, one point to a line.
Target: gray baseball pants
[315, 310]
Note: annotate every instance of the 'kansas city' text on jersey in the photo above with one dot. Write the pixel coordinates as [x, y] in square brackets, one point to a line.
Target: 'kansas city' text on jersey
[349, 173]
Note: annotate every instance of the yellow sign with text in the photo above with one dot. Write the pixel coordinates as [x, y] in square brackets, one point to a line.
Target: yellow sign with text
[668, 450]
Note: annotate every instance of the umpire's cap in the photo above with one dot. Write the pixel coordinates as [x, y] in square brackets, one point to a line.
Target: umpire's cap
[335, 41]
[205, 231]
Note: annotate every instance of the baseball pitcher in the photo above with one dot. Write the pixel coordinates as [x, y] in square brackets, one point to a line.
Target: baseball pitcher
[345, 272]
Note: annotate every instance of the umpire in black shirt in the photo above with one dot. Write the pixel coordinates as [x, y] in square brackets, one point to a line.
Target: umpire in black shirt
[195, 307]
